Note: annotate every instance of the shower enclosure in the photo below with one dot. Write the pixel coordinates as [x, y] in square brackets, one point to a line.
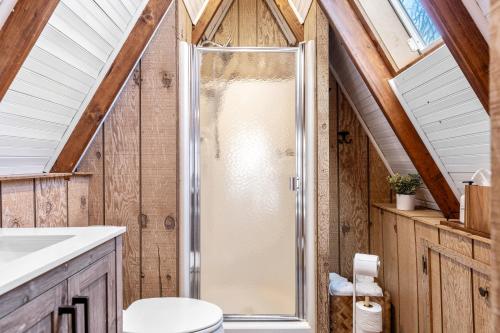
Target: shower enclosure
[245, 146]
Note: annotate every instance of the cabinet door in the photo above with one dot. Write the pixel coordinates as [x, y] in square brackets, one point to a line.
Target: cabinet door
[98, 283]
[391, 274]
[407, 275]
[39, 315]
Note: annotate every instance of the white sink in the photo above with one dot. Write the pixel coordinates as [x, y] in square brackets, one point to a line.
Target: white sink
[26, 253]
[15, 247]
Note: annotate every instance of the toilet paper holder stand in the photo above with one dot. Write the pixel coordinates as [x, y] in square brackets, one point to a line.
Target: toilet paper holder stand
[367, 265]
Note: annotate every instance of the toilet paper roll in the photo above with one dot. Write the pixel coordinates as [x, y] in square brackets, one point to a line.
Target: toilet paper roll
[366, 264]
[368, 318]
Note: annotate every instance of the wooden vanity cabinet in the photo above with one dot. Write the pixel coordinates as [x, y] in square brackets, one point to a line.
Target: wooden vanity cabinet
[86, 290]
[438, 277]
[38, 315]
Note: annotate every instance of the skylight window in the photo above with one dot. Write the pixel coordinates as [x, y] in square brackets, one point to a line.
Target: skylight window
[418, 23]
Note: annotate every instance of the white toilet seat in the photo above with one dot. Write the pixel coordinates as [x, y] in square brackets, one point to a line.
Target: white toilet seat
[172, 315]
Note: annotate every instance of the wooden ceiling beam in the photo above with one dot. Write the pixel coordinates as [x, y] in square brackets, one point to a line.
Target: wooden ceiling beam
[205, 19]
[291, 19]
[465, 41]
[376, 75]
[19, 34]
[111, 85]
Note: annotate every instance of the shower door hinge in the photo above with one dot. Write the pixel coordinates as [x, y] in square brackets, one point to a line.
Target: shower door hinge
[294, 183]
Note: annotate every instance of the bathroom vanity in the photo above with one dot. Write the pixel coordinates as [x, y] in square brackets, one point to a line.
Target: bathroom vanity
[61, 279]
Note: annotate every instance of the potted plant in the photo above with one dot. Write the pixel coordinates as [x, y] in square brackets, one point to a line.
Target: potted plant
[405, 188]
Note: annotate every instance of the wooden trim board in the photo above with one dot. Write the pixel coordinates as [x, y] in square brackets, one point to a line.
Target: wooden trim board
[111, 85]
[205, 19]
[19, 34]
[465, 41]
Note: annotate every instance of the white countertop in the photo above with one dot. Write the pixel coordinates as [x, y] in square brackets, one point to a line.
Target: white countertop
[29, 263]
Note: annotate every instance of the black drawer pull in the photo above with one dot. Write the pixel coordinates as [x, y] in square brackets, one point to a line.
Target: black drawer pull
[69, 310]
[85, 301]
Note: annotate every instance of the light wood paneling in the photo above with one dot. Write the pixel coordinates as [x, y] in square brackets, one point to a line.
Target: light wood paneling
[353, 186]
[228, 31]
[377, 240]
[51, 202]
[482, 303]
[184, 24]
[247, 23]
[427, 321]
[456, 286]
[391, 275]
[407, 275]
[122, 192]
[78, 201]
[334, 179]
[135, 161]
[159, 163]
[93, 162]
[18, 203]
[268, 31]
[323, 171]
[494, 20]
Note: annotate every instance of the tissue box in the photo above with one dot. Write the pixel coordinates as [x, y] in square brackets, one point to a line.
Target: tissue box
[477, 208]
[341, 312]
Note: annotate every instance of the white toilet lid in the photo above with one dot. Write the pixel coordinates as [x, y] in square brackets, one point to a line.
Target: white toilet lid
[171, 314]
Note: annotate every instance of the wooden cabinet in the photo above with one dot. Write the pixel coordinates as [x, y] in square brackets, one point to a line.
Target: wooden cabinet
[438, 277]
[38, 315]
[391, 275]
[95, 288]
[407, 275]
[87, 287]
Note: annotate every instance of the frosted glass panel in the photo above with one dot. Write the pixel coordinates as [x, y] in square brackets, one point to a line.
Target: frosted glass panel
[247, 156]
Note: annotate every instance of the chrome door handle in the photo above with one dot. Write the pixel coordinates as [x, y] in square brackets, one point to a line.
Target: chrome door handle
[294, 183]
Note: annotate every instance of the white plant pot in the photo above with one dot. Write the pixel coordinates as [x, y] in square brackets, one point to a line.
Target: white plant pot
[405, 201]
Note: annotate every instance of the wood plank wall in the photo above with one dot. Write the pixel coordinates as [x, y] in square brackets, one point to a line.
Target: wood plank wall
[44, 202]
[134, 161]
[358, 177]
[249, 23]
[494, 20]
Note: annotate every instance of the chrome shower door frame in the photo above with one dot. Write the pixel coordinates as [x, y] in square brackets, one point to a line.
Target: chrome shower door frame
[194, 260]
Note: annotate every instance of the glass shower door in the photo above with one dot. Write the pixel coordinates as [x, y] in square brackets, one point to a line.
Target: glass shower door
[247, 160]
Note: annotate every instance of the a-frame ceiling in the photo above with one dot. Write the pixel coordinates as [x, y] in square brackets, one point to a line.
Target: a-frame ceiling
[376, 76]
[196, 8]
[214, 12]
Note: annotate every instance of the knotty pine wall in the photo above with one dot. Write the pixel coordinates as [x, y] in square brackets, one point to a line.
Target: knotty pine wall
[249, 23]
[133, 159]
[44, 201]
[358, 177]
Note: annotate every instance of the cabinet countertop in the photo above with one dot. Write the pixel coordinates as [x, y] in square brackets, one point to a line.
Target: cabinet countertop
[26, 253]
[430, 217]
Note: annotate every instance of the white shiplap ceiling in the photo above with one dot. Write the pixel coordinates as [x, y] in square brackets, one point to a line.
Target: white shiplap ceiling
[447, 114]
[372, 118]
[59, 78]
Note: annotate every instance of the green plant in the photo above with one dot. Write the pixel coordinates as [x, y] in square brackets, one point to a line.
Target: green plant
[405, 184]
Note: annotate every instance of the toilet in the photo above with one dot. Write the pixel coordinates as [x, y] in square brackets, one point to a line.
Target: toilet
[172, 315]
